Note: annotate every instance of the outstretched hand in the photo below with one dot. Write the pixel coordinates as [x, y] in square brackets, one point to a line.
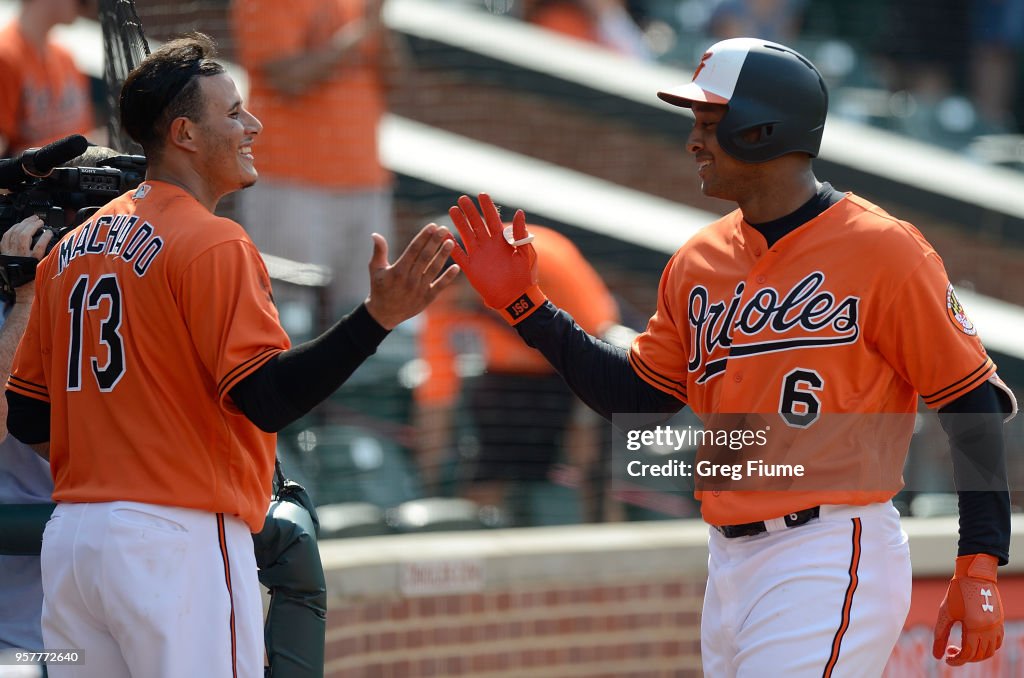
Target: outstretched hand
[400, 290]
[503, 273]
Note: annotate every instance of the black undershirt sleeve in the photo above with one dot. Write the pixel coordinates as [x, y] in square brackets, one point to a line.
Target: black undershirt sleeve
[974, 424]
[28, 419]
[294, 381]
[596, 371]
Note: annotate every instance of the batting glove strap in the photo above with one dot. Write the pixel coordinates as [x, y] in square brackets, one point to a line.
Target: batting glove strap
[977, 566]
[523, 306]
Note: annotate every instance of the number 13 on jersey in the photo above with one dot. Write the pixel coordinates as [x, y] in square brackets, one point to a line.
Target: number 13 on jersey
[89, 299]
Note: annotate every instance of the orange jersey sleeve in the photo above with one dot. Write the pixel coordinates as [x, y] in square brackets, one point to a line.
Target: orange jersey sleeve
[660, 354]
[927, 336]
[225, 296]
[29, 370]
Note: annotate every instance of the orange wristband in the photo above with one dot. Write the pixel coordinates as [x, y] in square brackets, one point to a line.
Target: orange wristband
[522, 306]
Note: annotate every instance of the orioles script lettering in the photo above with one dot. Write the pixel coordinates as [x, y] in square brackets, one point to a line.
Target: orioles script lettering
[807, 307]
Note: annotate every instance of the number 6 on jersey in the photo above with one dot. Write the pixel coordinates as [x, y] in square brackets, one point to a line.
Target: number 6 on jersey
[798, 404]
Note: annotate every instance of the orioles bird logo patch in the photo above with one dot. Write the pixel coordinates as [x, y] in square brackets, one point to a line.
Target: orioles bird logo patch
[955, 311]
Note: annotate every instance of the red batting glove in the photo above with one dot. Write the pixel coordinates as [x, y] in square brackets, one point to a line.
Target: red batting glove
[973, 600]
[505, 275]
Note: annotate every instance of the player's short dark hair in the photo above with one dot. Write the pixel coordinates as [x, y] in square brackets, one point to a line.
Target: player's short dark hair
[165, 86]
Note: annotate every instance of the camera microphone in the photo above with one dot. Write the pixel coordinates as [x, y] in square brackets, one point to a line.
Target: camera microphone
[39, 162]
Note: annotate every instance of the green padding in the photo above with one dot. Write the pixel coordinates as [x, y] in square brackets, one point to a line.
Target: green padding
[21, 528]
[289, 562]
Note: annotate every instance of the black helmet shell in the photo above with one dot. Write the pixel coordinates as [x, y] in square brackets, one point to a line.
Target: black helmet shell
[766, 86]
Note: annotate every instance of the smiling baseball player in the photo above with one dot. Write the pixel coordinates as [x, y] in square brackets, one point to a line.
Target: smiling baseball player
[154, 374]
[802, 302]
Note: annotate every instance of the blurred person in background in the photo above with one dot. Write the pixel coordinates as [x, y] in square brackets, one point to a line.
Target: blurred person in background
[607, 23]
[24, 475]
[43, 95]
[997, 33]
[775, 20]
[521, 411]
[923, 51]
[319, 71]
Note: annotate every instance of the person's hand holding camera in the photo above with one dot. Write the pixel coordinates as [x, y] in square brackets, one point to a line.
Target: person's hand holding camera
[20, 241]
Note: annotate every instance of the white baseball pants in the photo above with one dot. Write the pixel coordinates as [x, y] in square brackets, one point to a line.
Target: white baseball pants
[827, 599]
[151, 592]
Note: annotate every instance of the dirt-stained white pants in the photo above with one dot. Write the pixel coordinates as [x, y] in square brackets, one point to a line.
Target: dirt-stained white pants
[151, 592]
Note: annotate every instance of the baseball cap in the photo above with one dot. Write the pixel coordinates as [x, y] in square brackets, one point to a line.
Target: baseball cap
[715, 79]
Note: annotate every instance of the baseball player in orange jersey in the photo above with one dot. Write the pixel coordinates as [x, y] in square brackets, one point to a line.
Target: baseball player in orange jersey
[804, 301]
[154, 373]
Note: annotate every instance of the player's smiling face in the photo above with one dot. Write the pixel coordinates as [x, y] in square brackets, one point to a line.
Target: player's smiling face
[228, 132]
[721, 175]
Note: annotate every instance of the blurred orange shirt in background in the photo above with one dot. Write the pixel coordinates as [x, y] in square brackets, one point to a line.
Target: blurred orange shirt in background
[327, 136]
[43, 97]
[567, 18]
[458, 315]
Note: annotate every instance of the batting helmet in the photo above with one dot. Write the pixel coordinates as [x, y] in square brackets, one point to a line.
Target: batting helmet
[765, 85]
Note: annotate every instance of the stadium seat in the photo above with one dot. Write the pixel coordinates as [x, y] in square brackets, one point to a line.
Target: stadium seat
[352, 519]
[435, 514]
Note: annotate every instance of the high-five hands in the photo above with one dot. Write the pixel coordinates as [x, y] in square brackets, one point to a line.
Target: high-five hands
[973, 600]
[503, 273]
[400, 290]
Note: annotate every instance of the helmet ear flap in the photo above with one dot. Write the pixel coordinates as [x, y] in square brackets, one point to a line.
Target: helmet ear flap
[749, 139]
[778, 106]
[758, 135]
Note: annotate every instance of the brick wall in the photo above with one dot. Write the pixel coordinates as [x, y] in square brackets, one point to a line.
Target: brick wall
[648, 629]
[597, 600]
[593, 601]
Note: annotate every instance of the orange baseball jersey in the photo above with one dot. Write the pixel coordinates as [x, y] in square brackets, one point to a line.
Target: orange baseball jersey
[567, 18]
[852, 312]
[327, 136]
[144, 319]
[43, 97]
[566, 278]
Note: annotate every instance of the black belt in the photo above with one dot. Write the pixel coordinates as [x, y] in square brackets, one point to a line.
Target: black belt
[750, 529]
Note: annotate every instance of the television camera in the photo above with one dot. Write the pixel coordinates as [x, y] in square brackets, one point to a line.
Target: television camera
[36, 182]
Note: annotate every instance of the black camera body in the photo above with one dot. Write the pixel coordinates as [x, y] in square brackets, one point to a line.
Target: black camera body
[63, 199]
